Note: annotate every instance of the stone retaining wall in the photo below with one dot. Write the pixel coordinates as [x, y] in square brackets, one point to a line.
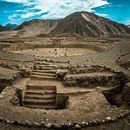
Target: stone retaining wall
[50, 44]
[117, 78]
[89, 69]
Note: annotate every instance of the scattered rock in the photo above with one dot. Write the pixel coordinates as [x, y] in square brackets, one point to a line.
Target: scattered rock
[77, 126]
[69, 124]
[84, 124]
[57, 126]
[8, 121]
[94, 122]
[36, 124]
[103, 121]
[1, 96]
[15, 100]
[48, 125]
[108, 118]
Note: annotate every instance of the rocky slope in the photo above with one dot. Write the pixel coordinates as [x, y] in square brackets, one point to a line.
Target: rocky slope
[36, 26]
[89, 24]
[2, 28]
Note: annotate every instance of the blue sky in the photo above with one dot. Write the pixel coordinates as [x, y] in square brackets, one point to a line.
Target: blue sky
[18, 11]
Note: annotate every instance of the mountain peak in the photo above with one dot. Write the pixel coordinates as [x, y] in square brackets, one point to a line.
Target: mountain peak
[80, 23]
[11, 26]
[89, 24]
[2, 28]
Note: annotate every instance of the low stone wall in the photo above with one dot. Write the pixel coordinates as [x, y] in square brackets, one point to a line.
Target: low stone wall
[69, 124]
[5, 82]
[85, 81]
[15, 56]
[89, 69]
[7, 104]
[60, 44]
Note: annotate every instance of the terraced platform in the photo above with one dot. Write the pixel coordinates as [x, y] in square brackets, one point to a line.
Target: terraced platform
[83, 91]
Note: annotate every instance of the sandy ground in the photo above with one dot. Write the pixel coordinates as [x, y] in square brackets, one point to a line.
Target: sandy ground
[57, 52]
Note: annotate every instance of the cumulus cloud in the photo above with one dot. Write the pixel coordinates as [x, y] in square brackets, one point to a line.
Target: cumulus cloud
[56, 8]
[103, 15]
[127, 21]
[16, 1]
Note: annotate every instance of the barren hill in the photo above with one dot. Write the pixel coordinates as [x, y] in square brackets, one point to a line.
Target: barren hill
[11, 26]
[2, 28]
[89, 24]
[81, 23]
[7, 27]
[36, 26]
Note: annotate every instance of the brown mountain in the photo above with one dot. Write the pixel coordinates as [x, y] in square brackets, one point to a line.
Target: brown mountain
[11, 26]
[81, 23]
[36, 26]
[2, 28]
[89, 24]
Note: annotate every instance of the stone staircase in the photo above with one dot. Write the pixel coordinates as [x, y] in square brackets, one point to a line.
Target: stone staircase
[44, 71]
[40, 97]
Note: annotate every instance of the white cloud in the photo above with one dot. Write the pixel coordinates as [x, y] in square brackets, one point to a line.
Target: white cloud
[103, 15]
[16, 1]
[62, 8]
[12, 20]
[57, 8]
[27, 15]
[127, 21]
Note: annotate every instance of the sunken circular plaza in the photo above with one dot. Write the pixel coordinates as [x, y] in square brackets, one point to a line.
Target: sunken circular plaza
[66, 82]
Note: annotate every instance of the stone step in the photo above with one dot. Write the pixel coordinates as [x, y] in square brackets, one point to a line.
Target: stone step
[39, 101]
[41, 87]
[43, 68]
[42, 77]
[52, 106]
[40, 92]
[37, 96]
[33, 100]
[43, 74]
[40, 96]
[45, 71]
[28, 70]
[43, 65]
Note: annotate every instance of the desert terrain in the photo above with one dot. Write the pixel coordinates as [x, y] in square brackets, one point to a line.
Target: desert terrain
[65, 80]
